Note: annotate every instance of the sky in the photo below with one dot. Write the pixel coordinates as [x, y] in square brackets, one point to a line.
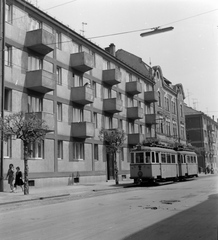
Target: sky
[186, 55]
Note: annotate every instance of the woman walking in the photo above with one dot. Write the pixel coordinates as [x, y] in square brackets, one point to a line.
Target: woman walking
[10, 176]
[18, 179]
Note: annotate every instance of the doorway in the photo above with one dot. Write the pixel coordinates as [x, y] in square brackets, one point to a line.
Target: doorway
[110, 166]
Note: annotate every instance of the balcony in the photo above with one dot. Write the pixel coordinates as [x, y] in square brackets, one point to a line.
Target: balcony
[151, 96]
[150, 119]
[40, 81]
[40, 41]
[82, 61]
[112, 105]
[44, 116]
[133, 88]
[135, 138]
[82, 95]
[82, 129]
[111, 76]
[134, 113]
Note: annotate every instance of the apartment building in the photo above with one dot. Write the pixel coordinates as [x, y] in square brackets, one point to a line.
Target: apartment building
[202, 132]
[77, 88]
[166, 119]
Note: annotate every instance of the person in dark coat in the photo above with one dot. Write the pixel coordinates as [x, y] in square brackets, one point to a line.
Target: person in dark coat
[18, 179]
[10, 176]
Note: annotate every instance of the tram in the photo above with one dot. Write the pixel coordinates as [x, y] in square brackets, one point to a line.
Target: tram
[158, 163]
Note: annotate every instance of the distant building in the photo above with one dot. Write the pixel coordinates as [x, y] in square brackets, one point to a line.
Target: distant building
[164, 118]
[46, 69]
[202, 132]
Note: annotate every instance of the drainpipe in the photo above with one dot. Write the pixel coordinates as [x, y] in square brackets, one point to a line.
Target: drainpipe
[2, 22]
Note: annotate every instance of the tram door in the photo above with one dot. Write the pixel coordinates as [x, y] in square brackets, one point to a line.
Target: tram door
[180, 161]
[110, 166]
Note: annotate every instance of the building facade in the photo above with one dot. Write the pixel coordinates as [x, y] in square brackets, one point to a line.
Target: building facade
[166, 119]
[202, 132]
[77, 88]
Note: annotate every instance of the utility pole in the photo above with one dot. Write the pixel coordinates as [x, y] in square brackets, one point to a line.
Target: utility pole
[2, 88]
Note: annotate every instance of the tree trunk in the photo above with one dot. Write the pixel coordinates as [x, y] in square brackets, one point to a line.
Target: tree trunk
[116, 169]
[26, 169]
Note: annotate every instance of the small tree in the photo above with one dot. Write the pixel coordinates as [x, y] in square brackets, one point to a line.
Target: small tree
[29, 129]
[114, 140]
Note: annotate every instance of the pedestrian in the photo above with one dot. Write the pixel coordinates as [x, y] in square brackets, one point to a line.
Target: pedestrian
[10, 176]
[18, 179]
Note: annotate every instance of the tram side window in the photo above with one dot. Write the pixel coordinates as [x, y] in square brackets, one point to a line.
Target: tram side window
[173, 159]
[147, 157]
[157, 158]
[184, 158]
[139, 157]
[192, 161]
[132, 157]
[168, 158]
[188, 159]
[163, 158]
[195, 160]
[153, 157]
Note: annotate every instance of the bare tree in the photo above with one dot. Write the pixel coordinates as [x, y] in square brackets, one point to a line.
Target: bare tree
[113, 140]
[29, 129]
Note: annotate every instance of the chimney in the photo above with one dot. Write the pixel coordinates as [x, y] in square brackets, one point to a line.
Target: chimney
[111, 49]
[213, 117]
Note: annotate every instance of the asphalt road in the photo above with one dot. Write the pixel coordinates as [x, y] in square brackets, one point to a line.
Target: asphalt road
[181, 211]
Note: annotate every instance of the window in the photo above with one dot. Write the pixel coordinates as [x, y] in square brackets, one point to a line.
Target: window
[34, 63]
[94, 88]
[59, 112]
[8, 13]
[121, 154]
[8, 100]
[182, 132]
[168, 128]
[7, 147]
[60, 149]
[132, 158]
[95, 116]
[174, 130]
[34, 24]
[59, 75]
[58, 40]
[121, 124]
[173, 159]
[153, 158]
[173, 107]
[78, 151]
[167, 103]
[181, 110]
[8, 55]
[157, 157]
[159, 99]
[34, 104]
[96, 152]
[168, 158]
[147, 157]
[139, 157]
[163, 158]
[37, 150]
[77, 115]
[108, 122]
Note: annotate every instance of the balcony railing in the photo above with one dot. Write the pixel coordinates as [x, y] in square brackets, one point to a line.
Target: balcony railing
[135, 138]
[82, 61]
[82, 129]
[135, 113]
[111, 76]
[82, 95]
[40, 41]
[150, 96]
[112, 105]
[133, 88]
[150, 119]
[40, 81]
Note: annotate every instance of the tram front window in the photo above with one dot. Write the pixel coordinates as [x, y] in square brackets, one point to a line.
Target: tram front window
[139, 157]
[147, 157]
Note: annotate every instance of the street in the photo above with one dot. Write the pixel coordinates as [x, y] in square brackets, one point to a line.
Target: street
[183, 210]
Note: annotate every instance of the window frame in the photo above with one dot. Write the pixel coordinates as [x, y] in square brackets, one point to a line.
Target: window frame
[78, 156]
[8, 100]
[35, 148]
[59, 112]
[60, 153]
[96, 152]
[8, 55]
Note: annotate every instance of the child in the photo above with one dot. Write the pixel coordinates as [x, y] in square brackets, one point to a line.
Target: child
[10, 176]
[18, 179]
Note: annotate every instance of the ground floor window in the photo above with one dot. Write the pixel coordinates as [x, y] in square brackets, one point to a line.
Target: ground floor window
[7, 148]
[60, 149]
[96, 152]
[78, 151]
[37, 150]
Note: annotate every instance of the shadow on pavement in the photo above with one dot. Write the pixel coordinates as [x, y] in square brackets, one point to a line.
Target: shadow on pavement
[198, 222]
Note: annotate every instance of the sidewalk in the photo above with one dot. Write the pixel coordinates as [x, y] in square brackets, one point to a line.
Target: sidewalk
[60, 191]
[8, 197]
